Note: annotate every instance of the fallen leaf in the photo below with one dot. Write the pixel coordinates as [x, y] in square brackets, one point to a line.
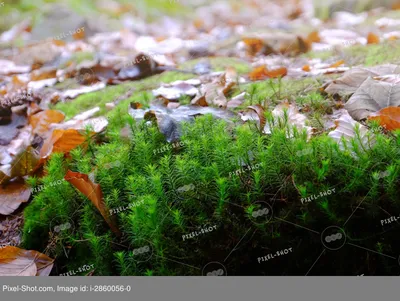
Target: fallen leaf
[169, 121]
[306, 68]
[10, 131]
[12, 196]
[174, 92]
[42, 74]
[260, 115]
[61, 141]
[389, 118]
[372, 96]
[93, 192]
[337, 64]
[346, 129]
[351, 80]
[18, 262]
[41, 121]
[262, 72]
[295, 118]
[372, 38]
[73, 93]
[254, 45]
[313, 37]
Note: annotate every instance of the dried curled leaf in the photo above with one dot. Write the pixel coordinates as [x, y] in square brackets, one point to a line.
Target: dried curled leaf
[93, 192]
[388, 118]
[18, 262]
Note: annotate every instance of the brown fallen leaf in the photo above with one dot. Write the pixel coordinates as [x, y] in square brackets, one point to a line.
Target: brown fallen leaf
[388, 118]
[18, 262]
[12, 195]
[42, 74]
[372, 38]
[41, 121]
[337, 64]
[262, 72]
[254, 45]
[61, 141]
[313, 37]
[261, 114]
[93, 192]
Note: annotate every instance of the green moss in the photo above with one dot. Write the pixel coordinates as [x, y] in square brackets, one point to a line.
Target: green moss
[209, 159]
[375, 54]
[220, 64]
[272, 91]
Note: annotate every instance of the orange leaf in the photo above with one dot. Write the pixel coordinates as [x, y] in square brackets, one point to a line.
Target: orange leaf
[254, 45]
[314, 37]
[93, 192]
[61, 141]
[388, 117]
[79, 34]
[18, 262]
[372, 38]
[396, 6]
[41, 121]
[337, 64]
[59, 43]
[43, 74]
[262, 72]
[306, 68]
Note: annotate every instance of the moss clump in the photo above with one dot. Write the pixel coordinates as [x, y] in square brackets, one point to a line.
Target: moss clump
[219, 175]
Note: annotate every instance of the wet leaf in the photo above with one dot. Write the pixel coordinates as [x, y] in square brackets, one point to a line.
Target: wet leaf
[93, 192]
